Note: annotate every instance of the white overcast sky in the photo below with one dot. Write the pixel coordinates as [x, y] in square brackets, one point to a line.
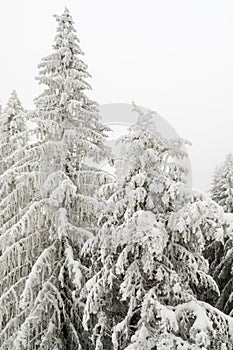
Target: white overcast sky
[173, 56]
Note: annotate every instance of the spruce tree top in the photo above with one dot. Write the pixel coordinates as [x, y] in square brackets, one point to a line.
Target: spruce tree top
[13, 108]
[63, 109]
[13, 133]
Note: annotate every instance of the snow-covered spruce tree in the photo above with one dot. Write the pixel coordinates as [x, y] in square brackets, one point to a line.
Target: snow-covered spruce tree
[17, 191]
[220, 256]
[11, 125]
[146, 266]
[222, 184]
[39, 261]
[13, 146]
[199, 223]
[220, 253]
[223, 273]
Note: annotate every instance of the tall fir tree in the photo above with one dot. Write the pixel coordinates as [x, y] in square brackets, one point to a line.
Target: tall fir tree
[222, 184]
[45, 242]
[146, 263]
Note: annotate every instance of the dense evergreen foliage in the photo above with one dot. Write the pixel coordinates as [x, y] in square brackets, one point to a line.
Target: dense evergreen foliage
[93, 261]
[222, 184]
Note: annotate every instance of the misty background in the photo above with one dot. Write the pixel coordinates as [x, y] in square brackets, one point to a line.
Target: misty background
[172, 56]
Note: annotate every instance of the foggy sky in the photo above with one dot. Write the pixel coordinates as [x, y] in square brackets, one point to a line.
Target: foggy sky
[172, 56]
